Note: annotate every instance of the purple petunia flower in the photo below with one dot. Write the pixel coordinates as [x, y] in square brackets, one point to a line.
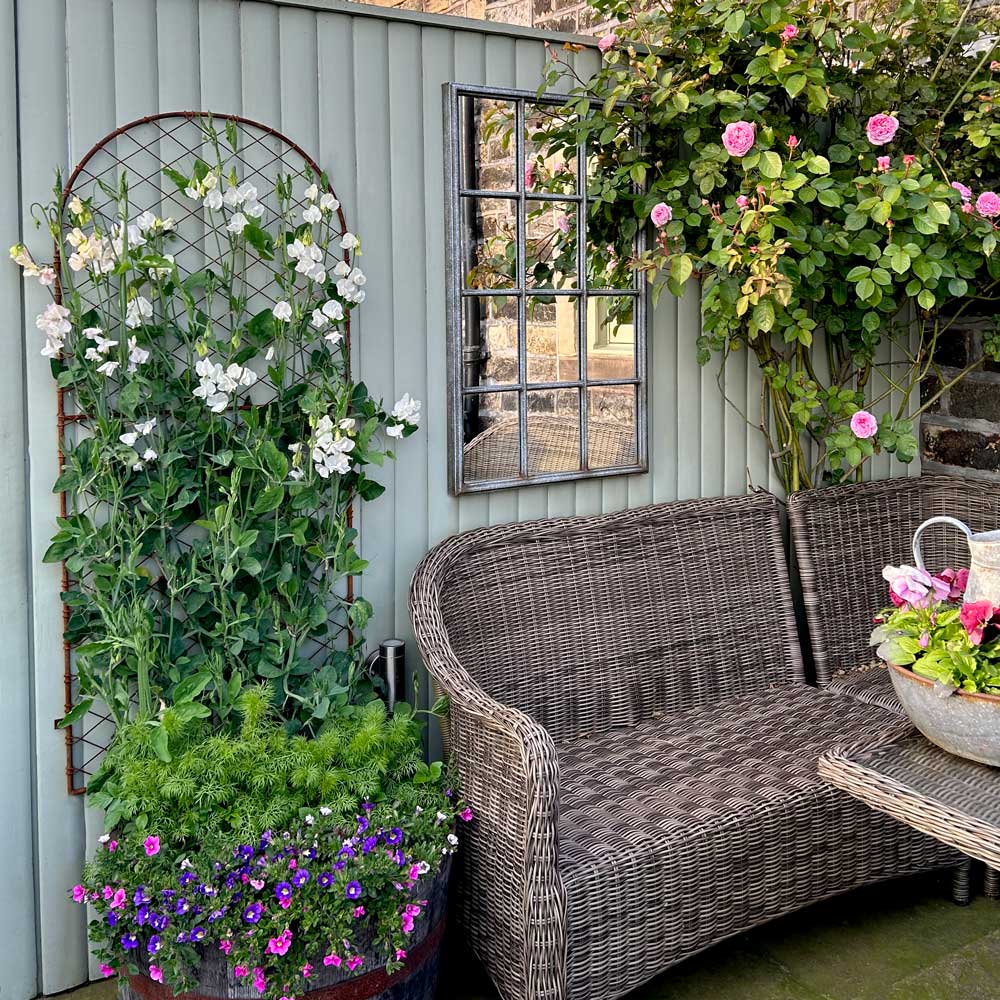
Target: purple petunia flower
[129, 941]
[159, 921]
[340, 865]
[142, 916]
[369, 845]
[353, 890]
[300, 878]
[112, 918]
[283, 890]
[252, 913]
[197, 933]
[368, 806]
[182, 937]
[168, 894]
[394, 837]
[216, 915]
[186, 878]
[346, 852]
[362, 824]
[181, 906]
[244, 851]
[399, 857]
[325, 880]
[153, 945]
[139, 896]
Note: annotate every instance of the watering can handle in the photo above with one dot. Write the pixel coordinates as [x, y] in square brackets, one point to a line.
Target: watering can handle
[953, 521]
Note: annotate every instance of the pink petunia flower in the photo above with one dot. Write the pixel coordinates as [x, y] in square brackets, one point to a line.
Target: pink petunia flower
[108, 892]
[156, 974]
[465, 815]
[107, 971]
[607, 41]
[881, 129]
[661, 214]
[864, 425]
[975, 617]
[112, 846]
[225, 946]
[333, 960]
[79, 894]
[884, 162]
[400, 954]
[152, 846]
[307, 971]
[118, 900]
[988, 204]
[739, 137]
[359, 911]
[354, 961]
[240, 971]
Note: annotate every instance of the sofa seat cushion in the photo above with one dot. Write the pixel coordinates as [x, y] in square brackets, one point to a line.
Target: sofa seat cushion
[871, 684]
[704, 823]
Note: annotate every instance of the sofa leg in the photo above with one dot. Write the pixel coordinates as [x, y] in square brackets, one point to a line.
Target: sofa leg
[991, 883]
[961, 883]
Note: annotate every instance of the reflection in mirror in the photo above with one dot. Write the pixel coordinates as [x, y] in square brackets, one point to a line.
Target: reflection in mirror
[611, 337]
[551, 343]
[489, 242]
[553, 431]
[550, 244]
[611, 426]
[489, 340]
[487, 144]
[550, 151]
[491, 442]
[611, 233]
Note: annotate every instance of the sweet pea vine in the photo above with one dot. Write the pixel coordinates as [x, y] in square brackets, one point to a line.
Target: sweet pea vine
[208, 539]
[832, 179]
[934, 631]
[179, 884]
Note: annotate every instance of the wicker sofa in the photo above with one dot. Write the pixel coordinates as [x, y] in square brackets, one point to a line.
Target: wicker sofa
[843, 537]
[632, 726]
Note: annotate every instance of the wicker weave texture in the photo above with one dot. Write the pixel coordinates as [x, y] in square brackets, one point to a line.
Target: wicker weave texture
[631, 726]
[844, 536]
[956, 801]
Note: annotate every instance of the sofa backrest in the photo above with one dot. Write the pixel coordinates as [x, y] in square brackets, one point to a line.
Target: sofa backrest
[593, 623]
[845, 535]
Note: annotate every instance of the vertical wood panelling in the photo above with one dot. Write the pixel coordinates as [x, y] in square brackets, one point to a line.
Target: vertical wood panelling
[18, 958]
[364, 94]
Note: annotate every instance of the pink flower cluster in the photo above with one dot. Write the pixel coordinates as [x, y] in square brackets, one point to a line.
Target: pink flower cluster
[916, 588]
[410, 912]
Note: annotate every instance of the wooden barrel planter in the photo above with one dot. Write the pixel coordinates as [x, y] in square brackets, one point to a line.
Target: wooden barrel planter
[417, 979]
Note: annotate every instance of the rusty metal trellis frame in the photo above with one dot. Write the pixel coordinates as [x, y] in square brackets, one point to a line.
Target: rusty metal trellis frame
[86, 742]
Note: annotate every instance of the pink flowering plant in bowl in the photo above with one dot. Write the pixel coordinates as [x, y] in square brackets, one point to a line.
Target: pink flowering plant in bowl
[833, 181]
[270, 859]
[931, 629]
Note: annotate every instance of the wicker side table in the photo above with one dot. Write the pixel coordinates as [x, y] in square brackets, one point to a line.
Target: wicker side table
[954, 800]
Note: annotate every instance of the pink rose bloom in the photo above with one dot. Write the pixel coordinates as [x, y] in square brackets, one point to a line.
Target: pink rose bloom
[607, 42]
[909, 160]
[962, 190]
[957, 581]
[967, 208]
[864, 425]
[742, 201]
[881, 129]
[152, 846]
[156, 974]
[107, 971]
[529, 175]
[975, 617]
[739, 137]
[79, 894]
[662, 213]
[563, 223]
[789, 32]
[883, 163]
[913, 586]
[988, 204]
[793, 141]
[333, 960]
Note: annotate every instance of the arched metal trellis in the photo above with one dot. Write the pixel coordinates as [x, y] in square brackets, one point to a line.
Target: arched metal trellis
[144, 155]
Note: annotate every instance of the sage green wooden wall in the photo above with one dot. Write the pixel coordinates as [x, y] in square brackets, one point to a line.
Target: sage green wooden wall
[362, 88]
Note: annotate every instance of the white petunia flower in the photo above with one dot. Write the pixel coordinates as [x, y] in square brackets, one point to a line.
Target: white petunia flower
[138, 466]
[138, 311]
[309, 819]
[328, 203]
[129, 438]
[453, 840]
[282, 311]
[238, 223]
[349, 242]
[312, 215]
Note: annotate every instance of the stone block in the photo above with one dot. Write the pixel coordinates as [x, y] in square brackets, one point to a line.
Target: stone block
[976, 397]
[962, 447]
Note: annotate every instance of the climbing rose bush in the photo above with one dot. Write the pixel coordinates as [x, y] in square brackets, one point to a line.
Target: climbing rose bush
[831, 180]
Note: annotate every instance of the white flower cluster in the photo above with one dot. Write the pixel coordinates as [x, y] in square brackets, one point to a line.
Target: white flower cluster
[330, 312]
[43, 272]
[129, 438]
[405, 412]
[53, 321]
[93, 251]
[217, 384]
[350, 282]
[99, 352]
[310, 260]
[332, 446]
[314, 212]
[136, 355]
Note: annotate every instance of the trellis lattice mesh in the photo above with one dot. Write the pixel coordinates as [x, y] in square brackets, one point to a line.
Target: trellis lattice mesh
[143, 152]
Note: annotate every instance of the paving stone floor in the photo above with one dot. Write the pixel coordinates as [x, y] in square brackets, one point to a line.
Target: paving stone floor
[900, 941]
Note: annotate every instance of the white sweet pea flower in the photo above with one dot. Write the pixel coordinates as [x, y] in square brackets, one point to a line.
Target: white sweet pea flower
[108, 368]
[46, 276]
[407, 409]
[232, 197]
[149, 455]
[146, 426]
[77, 208]
[129, 438]
[395, 430]
[213, 200]
[138, 311]
[53, 320]
[332, 309]
[311, 193]
[328, 203]
[343, 269]
[312, 215]
[269, 354]
[136, 355]
[358, 277]
[347, 424]
[318, 319]
[334, 337]
[146, 221]
[295, 447]
[296, 474]
[254, 209]
[238, 223]
[349, 242]
[282, 311]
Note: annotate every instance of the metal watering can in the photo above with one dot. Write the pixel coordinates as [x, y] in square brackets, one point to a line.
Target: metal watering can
[984, 572]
